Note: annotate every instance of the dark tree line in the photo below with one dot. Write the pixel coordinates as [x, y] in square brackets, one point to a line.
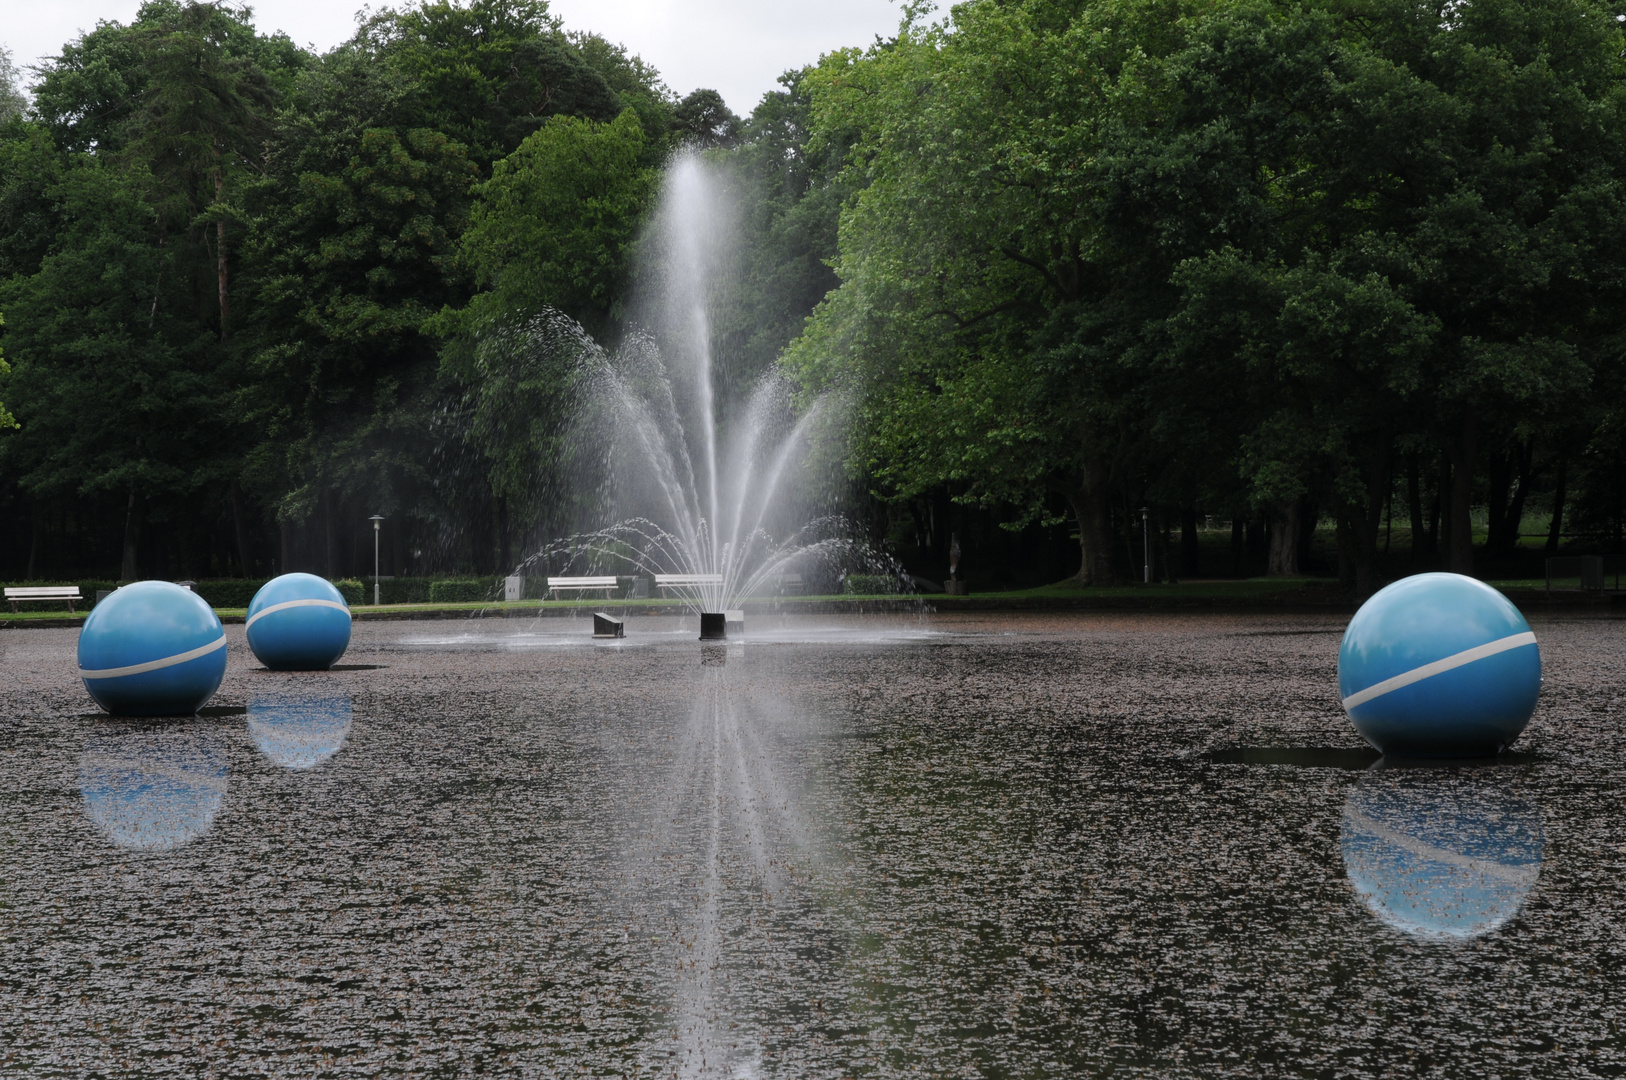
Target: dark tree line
[1353, 265]
[234, 274]
[1279, 263]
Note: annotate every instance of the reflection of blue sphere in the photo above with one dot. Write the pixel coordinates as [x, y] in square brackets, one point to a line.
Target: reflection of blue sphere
[1441, 854]
[152, 649]
[298, 622]
[298, 732]
[153, 790]
[1439, 664]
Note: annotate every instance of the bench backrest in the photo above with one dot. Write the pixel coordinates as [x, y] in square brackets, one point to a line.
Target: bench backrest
[582, 582]
[44, 592]
[688, 579]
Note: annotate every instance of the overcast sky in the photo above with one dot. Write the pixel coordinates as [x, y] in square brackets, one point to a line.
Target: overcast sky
[737, 47]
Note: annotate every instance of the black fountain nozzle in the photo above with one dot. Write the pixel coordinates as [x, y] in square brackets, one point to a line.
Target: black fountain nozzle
[713, 626]
[606, 627]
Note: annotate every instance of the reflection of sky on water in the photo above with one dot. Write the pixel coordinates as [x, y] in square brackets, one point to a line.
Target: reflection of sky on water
[1441, 853]
[296, 731]
[153, 789]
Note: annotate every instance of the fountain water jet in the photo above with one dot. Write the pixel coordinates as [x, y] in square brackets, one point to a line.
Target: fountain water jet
[701, 485]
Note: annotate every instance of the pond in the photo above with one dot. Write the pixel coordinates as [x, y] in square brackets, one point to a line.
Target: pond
[998, 845]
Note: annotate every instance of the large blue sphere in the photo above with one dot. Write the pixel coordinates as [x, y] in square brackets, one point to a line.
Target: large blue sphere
[1439, 665]
[298, 622]
[1441, 853]
[152, 649]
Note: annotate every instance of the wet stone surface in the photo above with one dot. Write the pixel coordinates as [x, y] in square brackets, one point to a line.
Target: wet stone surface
[977, 846]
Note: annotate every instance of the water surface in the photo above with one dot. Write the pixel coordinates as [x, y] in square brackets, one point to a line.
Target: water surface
[958, 846]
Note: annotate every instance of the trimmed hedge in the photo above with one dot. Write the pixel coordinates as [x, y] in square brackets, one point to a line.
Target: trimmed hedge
[351, 589]
[421, 590]
[460, 591]
[871, 585]
[229, 592]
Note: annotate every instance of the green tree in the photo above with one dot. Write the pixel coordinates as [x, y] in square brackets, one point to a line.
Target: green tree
[703, 119]
[1094, 245]
[115, 383]
[366, 190]
[13, 101]
[489, 73]
[201, 122]
[30, 216]
[990, 314]
[554, 225]
[6, 419]
[789, 197]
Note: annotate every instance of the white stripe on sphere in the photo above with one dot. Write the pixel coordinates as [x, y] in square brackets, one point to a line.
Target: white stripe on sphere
[1418, 674]
[263, 612]
[154, 665]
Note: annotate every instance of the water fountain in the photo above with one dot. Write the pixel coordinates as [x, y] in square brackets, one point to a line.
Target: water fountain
[712, 497]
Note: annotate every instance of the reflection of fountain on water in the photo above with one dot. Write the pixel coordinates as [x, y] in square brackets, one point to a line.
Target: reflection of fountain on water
[714, 877]
[719, 491]
[1441, 853]
[298, 731]
[153, 789]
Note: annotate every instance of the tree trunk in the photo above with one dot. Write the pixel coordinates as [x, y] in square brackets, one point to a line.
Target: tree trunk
[1513, 512]
[239, 522]
[1191, 552]
[1414, 507]
[1555, 530]
[1499, 473]
[1259, 540]
[1162, 564]
[220, 260]
[1440, 517]
[132, 537]
[505, 542]
[1358, 528]
[1346, 552]
[1284, 540]
[33, 539]
[1463, 450]
[329, 541]
[1089, 500]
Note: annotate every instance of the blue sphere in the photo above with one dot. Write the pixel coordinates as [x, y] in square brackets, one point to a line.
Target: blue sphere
[1439, 665]
[1441, 854]
[152, 648]
[298, 622]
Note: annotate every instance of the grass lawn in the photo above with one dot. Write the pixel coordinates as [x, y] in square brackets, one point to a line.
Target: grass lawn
[1249, 591]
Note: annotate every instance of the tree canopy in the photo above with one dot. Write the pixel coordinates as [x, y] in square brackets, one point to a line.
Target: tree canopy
[1249, 253]
[1088, 271]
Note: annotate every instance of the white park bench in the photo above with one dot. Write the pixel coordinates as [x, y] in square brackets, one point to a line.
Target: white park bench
[686, 581]
[70, 593]
[583, 584]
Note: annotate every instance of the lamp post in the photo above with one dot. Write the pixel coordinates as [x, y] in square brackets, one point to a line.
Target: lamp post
[1146, 548]
[377, 521]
